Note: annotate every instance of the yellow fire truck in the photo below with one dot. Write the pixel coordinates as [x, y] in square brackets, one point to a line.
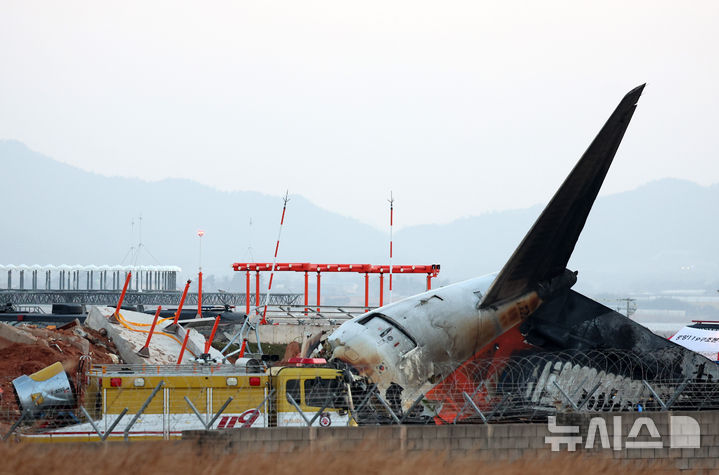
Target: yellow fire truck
[124, 402]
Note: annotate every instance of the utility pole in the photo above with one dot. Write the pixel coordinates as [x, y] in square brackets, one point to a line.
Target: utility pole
[631, 306]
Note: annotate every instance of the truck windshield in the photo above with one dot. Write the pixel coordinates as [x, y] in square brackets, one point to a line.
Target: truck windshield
[320, 391]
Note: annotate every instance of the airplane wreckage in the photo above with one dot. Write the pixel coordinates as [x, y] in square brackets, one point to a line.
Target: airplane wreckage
[512, 333]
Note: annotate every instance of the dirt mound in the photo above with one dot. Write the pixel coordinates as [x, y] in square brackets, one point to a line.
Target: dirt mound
[26, 349]
[292, 351]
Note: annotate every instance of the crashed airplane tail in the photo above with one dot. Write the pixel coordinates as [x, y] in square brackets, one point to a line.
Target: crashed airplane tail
[430, 343]
[545, 250]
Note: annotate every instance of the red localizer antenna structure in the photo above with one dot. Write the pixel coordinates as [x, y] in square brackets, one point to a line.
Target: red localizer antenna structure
[274, 260]
[432, 271]
[391, 222]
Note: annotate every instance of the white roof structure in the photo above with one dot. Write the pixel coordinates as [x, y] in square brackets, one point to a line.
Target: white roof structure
[91, 267]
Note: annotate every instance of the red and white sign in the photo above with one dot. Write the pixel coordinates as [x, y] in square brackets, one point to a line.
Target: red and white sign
[325, 420]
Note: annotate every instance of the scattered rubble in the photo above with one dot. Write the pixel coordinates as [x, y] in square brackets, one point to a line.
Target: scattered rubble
[25, 349]
[130, 335]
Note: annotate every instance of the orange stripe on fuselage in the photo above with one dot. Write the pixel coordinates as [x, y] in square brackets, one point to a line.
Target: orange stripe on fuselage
[471, 373]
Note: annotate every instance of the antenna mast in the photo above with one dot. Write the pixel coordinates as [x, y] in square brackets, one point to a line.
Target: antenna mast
[139, 239]
[250, 254]
[274, 259]
[391, 223]
[200, 233]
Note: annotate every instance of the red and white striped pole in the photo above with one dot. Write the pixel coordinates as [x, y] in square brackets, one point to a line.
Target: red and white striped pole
[200, 233]
[247, 293]
[274, 260]
[391, 222]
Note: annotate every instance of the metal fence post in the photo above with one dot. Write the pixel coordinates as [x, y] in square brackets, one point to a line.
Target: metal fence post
[479, 386]
[566, 396]
[411, 408]
[298, 409]
[92, 423]
[222, 409]
[103, 437]
[656, 396]
[386, 406]
[679, 390]
[142, 409]
[589, 395]
[474, 406]
[15, 425]
[112, 426]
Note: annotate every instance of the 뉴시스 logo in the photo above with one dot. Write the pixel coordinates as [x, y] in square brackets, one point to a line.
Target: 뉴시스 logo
[684, 433]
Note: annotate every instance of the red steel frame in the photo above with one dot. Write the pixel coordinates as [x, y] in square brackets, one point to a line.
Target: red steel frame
[431, 271]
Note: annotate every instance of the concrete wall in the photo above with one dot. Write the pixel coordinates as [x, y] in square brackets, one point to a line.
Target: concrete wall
[494, 441]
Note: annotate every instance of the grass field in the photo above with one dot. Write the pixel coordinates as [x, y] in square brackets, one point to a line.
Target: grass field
[181, 458]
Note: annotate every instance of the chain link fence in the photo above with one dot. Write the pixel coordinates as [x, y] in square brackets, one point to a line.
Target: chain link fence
[137, 402]
[149, 402]
[532, 387]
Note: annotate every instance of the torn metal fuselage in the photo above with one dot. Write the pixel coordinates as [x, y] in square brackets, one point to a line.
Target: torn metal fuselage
[418, 341]
[441, 343]
[441, 336]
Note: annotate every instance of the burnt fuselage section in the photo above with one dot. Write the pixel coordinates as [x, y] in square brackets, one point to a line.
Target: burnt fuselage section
[434, 339]
[418, 345]
[418, 341]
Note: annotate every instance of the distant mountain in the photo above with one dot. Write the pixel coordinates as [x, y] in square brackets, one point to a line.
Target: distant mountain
[661, 235]
[55, 213]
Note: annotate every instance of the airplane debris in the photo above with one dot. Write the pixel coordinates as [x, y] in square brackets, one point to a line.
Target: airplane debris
[528, 307]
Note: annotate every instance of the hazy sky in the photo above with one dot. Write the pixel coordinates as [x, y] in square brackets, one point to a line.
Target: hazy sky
[458, 107]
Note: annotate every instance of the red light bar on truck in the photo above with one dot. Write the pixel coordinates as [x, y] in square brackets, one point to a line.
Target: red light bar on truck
[302, 361]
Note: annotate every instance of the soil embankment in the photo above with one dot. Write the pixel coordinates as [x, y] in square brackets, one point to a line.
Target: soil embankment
[26, 349]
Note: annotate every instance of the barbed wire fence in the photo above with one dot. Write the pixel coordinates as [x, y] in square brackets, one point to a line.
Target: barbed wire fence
[161, 402]
[532, 387]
